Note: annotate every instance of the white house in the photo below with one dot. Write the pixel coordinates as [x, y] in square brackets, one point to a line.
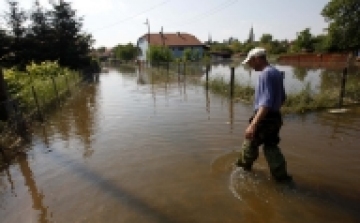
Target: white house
[177, 42]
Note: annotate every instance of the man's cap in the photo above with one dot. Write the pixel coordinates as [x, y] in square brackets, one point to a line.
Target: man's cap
[256, 52]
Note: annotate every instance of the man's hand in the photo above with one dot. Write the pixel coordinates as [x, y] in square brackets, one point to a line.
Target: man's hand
[250, 131]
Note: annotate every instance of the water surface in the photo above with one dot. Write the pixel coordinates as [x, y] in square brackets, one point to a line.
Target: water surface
[127, 150]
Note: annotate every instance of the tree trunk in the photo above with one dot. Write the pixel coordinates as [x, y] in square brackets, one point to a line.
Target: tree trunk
[3, 98]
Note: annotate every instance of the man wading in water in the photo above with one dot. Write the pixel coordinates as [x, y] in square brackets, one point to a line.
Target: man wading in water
[265, 124]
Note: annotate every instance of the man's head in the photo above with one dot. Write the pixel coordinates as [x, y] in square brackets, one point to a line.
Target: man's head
[256, 59]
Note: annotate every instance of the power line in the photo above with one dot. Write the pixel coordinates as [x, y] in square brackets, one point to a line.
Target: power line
[134, 16]
[208, 13]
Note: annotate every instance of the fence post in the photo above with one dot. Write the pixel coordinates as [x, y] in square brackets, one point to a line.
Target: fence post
[37, 104]
[283, 74]
[67, 84]
[55, 89]
[178, 67]
[4, 115]
[207, 77]
[232, 82]
[342, 87]
[184, 67]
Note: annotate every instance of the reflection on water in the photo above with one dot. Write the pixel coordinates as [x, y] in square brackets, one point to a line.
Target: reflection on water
[136, 147]
[297, 76]
[36, 196]
[77, 118]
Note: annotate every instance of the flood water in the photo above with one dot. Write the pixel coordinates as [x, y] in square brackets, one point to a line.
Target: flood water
[127, 150]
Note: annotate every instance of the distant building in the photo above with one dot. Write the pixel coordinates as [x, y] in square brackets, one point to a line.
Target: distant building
[102, 55]
[177, 42]
[251, 38]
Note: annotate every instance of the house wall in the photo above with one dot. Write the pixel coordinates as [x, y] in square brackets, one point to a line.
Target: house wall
[313, 57]
[178, 51]
[143, 45]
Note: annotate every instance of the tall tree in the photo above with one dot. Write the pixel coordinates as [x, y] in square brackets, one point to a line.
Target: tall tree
[4, 46]
[304, 40]
[266, 38]
[15, 19]
[71, 46]
[126, 52]
[343, 17]
[40, 34]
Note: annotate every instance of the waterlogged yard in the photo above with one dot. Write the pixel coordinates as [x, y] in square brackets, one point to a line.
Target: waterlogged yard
[139, 146]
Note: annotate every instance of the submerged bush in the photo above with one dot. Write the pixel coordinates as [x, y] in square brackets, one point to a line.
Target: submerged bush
[38, 79]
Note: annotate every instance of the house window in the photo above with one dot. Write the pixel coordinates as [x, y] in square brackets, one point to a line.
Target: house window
[181, 48]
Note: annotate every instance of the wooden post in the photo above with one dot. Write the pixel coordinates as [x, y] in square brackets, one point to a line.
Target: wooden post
[207, 76]
[37, 104]
[179, 68]
[55, 89]
[232, 82]
[67, 84]
[342, 87]
[283, 74]
[184, 67]
[4, 114]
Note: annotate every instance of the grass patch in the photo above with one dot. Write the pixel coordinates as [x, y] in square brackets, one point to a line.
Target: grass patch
[243, 93]
[301, 102]
[305, 101]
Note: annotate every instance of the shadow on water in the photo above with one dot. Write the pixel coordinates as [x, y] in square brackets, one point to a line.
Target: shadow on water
[122, 195]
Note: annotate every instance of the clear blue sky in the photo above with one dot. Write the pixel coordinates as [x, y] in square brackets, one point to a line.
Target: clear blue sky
[122, 21]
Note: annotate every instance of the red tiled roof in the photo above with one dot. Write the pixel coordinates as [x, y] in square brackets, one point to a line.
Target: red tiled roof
[173, 39]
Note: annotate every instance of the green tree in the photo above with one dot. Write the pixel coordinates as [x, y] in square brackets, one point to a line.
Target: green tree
[126, 52]
[247, 47]
[39, 36]
[236, 47]
[278, 47]
[321, 43]
[266, 38]
[71, 45]
[53, 34]
[191, 55]
[187, 54]
[196, 55]
[220, 47]
[343, 17]
[158, 54]
[304, 41]
[15, 20]
[4, 48]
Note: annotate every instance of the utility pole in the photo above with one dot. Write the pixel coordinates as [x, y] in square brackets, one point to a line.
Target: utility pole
[162, 36]
[148, 25]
